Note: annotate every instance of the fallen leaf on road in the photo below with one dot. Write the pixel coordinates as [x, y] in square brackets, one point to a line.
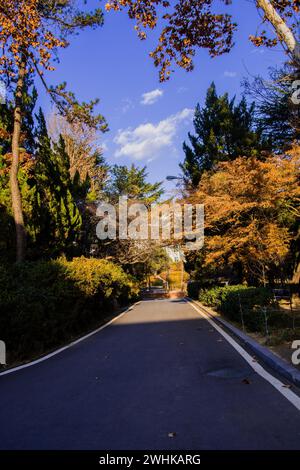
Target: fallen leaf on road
[246, 381]
[172, 434]
[287, 386]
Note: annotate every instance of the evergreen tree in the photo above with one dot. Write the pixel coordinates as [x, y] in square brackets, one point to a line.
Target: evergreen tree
[31, 33]
[276, 113]
[30, 96]
[25, 174]
[57, 213]
[223, 131]
[131, 182]
[88, 168]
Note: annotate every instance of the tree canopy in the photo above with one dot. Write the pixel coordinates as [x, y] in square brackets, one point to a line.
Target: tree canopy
[223, 131]
[275, 112]
[132, 182]
[251, 209]
[31, 33]
[191, 24]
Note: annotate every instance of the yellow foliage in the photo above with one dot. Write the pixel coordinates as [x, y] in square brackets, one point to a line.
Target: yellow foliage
[246, 202]
[22, 31]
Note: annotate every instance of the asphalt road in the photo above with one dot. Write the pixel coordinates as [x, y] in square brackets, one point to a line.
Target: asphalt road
[160, 377]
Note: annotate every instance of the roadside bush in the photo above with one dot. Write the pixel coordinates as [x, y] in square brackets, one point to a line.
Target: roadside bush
[45, 303]
[240, 302]
[248, 302]
[215, 296]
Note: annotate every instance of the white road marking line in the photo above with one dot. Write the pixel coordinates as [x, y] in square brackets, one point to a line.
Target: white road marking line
[286, 392]
[58, 351]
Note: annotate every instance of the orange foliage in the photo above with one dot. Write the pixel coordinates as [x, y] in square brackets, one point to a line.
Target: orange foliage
[26, 163]
[22, 30]
[189, 24]
[246, 201]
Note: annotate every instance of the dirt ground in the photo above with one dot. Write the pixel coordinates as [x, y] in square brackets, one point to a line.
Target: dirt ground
[283, 350]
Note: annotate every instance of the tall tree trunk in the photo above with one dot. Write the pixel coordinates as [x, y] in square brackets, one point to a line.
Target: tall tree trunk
[14, 183]
[284, 33]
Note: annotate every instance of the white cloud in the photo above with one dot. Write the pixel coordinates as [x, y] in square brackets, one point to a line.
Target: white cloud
[230, 74]
[146, 141]
[152, 96]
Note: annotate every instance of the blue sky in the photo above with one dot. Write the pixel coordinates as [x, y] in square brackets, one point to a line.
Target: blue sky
[148, 120]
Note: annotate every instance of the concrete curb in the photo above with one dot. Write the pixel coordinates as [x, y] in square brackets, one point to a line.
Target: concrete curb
[268, 357]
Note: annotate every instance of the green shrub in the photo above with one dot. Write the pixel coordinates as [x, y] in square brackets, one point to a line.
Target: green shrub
[248, 302]
[215, 296]
[45, 303]
[240, 302]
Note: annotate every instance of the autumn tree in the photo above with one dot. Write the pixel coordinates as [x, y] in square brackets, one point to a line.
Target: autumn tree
[31, 33]
[251, 208]
[223, 131]
[192, 24]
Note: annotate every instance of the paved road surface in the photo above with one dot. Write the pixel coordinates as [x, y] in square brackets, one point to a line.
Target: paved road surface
[159, 369]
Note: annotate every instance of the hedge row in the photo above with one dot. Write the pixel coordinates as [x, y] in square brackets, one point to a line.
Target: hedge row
[45, 303]
[243, 304]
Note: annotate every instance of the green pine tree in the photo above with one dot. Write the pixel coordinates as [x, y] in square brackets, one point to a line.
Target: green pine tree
[223, 131]
[58, 215]
[132, 182]
[25, 174]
